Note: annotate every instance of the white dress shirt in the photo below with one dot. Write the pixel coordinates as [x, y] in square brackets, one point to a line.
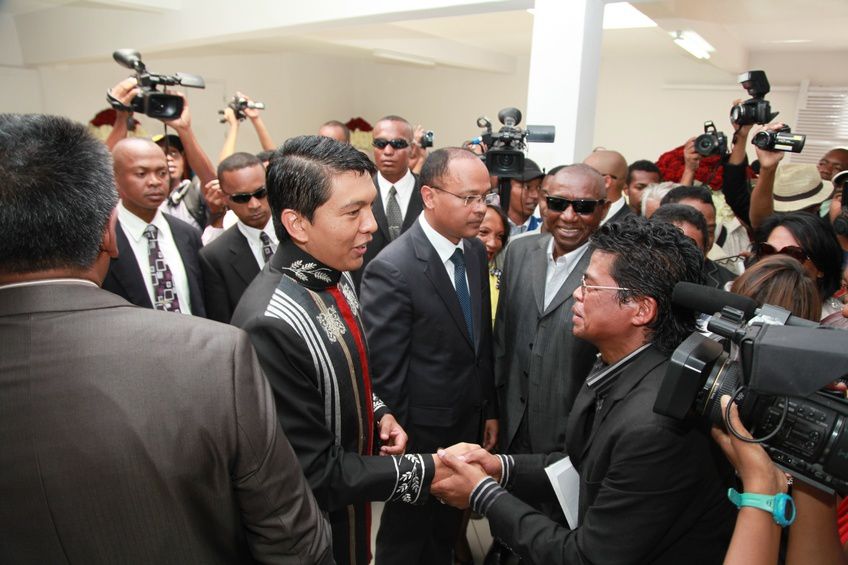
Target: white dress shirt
[614, 209]
[444, 248]
[559, 269]
[404, 188]
[134, 227]
[254, 241]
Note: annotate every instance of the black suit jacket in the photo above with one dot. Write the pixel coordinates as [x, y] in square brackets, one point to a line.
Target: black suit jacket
[125, 277]
[621, 214]
[652, 489]
[381, 236]
[228, 266]
[438, 380]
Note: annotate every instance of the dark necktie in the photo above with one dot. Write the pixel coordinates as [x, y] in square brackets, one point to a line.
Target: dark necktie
[458, 260]
[267, 250]
[393, 215]
[164, 291]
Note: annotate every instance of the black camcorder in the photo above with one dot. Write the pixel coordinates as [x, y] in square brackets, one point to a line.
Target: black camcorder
[427, 139]
[775, 367]
[505, 155]
[780, 140]
[757, 109]
[238, 104]
[711, 142]
[150, 101]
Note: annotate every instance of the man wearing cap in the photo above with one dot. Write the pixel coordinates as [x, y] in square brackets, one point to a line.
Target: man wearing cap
[613, 167]
[185, 200]
[398, 201]
[523, 199]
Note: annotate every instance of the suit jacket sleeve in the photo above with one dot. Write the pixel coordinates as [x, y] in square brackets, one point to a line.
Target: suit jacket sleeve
[337, 477]
[280, 515]
[650, 482]
[734, 185]
[215, 294]
[387, 317]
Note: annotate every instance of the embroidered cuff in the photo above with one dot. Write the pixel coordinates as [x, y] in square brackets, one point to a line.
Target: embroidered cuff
[485, 494]
[410, 479]
[379, 407]
[507, 466]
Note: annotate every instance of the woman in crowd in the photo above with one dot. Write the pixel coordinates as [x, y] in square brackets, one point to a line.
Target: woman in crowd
[810, 240]
[494, 233]
[782, 281]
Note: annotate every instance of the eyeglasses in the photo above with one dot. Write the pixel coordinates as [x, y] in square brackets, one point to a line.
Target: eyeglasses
[584, 286]
[244, 197]
[766, 249]
[381, 143]
[584, 207]
[489, 199]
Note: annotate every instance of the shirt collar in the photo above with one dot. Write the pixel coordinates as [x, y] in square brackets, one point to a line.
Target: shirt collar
[614, 208]
[49, 281]
[135, 226]
[569, 258]
[253, 233]
[444, 247]
[303, 268]
[603, 376]
[407, 181]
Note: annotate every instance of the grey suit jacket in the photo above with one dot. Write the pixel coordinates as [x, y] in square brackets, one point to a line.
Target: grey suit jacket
[120, 448]
[539, 364]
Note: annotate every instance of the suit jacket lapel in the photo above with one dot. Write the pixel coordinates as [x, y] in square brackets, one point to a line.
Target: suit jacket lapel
[243, 261]
[435, 272]
[539, 271]
[416, 205]
[571, 283]
[128, 272]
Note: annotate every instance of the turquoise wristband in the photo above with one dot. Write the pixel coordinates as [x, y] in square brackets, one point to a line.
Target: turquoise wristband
[780, 506]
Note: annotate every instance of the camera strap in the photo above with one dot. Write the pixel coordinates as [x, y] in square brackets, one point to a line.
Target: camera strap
[116, 104]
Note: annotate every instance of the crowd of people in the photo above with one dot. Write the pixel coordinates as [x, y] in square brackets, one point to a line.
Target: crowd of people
[227, 365]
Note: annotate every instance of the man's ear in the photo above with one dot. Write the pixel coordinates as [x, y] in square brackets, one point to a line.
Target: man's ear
[427, 196]
[109, 243]
[646, 311]
[294, 224]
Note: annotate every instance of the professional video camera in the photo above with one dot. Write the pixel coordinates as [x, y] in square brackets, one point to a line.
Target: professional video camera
[150, 101]
[774, 366]
[780, 140]
[757, 109]
[238, 104]
[505, 154]
[711, 142]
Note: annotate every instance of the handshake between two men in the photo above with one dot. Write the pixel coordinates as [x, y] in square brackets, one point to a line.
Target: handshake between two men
[459, 469]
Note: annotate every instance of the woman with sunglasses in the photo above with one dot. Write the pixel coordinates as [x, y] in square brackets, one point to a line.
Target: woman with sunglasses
[812, 242]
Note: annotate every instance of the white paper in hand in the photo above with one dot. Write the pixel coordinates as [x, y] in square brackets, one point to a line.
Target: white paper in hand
[566, 482]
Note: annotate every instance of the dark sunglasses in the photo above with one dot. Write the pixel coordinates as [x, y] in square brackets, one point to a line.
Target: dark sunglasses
[585, 207]
[380, 143]
[244, 197]
[766, 249]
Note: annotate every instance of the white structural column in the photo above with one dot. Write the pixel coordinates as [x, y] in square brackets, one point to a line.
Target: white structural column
[563, 82]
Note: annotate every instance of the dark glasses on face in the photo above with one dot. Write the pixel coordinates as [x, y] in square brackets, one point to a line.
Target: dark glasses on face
[381, 143]
[559, 204]
[766, 249]
[244, 197]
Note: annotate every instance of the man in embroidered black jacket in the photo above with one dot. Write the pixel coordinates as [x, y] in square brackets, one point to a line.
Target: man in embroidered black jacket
[303, 318]
[651, 488]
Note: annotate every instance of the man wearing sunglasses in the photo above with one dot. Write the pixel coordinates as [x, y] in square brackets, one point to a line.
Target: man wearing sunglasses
[426, 310]
[157, 265]
[398, 201]
[233, 259]
[539, 364]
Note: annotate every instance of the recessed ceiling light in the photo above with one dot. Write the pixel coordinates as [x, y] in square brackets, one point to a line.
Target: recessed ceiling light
[788, 41]
[696, 45]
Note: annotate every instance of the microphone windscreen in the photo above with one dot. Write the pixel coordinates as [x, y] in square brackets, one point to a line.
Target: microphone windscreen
[710, 300]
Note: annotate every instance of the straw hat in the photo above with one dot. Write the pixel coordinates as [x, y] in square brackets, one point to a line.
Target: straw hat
[798, 186]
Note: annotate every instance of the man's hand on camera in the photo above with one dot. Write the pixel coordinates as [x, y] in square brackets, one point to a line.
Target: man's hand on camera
[183, 122]
[769, 158]
[251, 113]
[741, 131]
[125, 90]
[691, 158]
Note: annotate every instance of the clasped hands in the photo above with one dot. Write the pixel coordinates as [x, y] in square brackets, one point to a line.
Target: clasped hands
[459, 469]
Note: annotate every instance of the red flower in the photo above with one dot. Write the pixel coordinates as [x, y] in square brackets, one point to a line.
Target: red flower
[672, 165]
[358, 124]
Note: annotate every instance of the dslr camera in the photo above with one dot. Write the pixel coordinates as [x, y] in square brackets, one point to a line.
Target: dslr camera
[505, 156]
[711, 142]
[238, 104]
[150, 101]
[780, 140]
[757, 109]
[775, 367]
[427, 139]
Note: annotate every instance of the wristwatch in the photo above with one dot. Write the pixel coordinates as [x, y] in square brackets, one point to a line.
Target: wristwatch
[780, 506]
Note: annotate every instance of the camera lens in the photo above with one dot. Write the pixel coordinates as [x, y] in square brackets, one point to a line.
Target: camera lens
[723, 379]
[706, 144]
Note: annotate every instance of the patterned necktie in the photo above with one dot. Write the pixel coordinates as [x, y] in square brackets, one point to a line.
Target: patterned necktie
[458, 260]
[267, 250]
[393, 215]
[164, 291]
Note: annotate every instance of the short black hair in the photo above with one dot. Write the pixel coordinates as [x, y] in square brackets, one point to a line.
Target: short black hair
[642, 165]
[237, 161]
[56, 195]
[650, 258]
[435, 167]
[265, 155]
[341, 126]
[678, 213]
[684, 192]
[817, 239]
[300, 173]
